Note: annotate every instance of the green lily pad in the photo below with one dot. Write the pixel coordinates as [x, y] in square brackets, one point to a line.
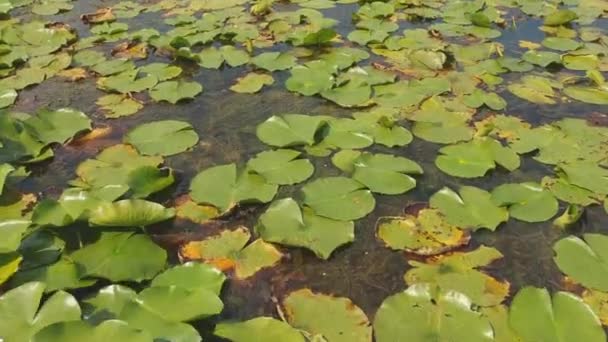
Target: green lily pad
[541, 58]
[473, 209]
[175, 91]
[281, 167]
[119, 256]
[381, 173]
[147, 180]
[535, 316]
[23, 314]
[75, 331]
[309, 80]
[285, 223]
[58, 126]
[7, 97]
[61, 275]
[474, 158]
[113, 66]
[587, 175]
[581, 62]
[459, 271]
[161, 71]
[12, 231]
[526, 201]
[9, 265]
[252, 83]
[274, 61]
[127, 82]
[229, 250]
[535, 89]
[338, 198]
[222, 187]
[584, 261]
[561, 44]
[115, 105]
[350, 94]
[289, 130]
[598, 96]
[424, 310]
[130, 213]
[426, 233]
[165, 138]
[334, 318]
[264, 329]
[560, 17]
[192, 275]
[5, 171]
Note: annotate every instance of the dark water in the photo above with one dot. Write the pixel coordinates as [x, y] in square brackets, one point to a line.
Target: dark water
[364, 271]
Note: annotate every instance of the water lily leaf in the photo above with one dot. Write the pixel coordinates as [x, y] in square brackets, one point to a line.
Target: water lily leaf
[9, 264]
[49, 212]
[563, 190]
[560, 17]
[598, 302]
[178, 304]
[561, 44]
[87, 58]
[175, 91]
[229, 250]
[587, 175]
[426, 233]
[535, 89]
[119, 256]
[115, 105]
[382, 173]
[165, 138]
[161, 71]
[434, 123]
[347, 134]
[61, 275]
[5, 171]
[130, 213]
[23, 314]
[308, 80]
[285, 223]
[259, 329]
[7, 97]
[473, 209]
[584, 261]
[222, 187]
[474, 158]
[581, 62]
[127, 82]
[423, 310]
[338, 198]
[281, 167]
[592, 95]
[541, 58]
[289, 130]
[187, 209]
[113, 66]
[526, 201]
[50, 7]
[535, 316]
[108, 174]
[58, 126]
[274, 61]
[12, 231]
[309, 311]
[350, 94]
[459, 271]
[479, 98]
[252, 83]
[147, 180]
[75, 331]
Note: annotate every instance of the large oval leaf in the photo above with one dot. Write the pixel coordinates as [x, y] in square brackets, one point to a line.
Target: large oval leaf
[259, 329]
[165, 138]
[586, 262]
[130, 213]
[338, 198]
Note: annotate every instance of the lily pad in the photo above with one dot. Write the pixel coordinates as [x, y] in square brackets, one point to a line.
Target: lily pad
[474, 158]
[423, 310]
[175, 91]
[75, 331]
[285, 223]
[115, 105]
[472, 209]
[459, 271]
[560, 17]
[265, 329]
[311, 312]
[165, 138]
[338, 198]
[130, 213]
[7, 97]
[230, 250]
[119, 256]
[535, 316]
[274, 61]
[58, 126]
[252, 83]
[289, 130]
[222, 187]
[23, 314]
[585, 261]
[426, 233]
[281, 167]
[526, 201]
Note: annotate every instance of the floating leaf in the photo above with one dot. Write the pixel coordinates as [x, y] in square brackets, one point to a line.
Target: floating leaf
[7, 97]
[165, 138]
[535, 89]
[187, 209]
[285, 223]
[473, 209]
[223, 188]
[130, 213]
[598, 96]
[116, 105]
[338, 198]
[274, 61]
[426, 233]
[75, 331]
[229, 250]
[311, 312]
[586, 261]
[161, 71]
[424, 310]
[474, 158]
[58, 126]
[281, 167]
[121, 256]
[309, 80]
[526, 201]
[289, 130]
[252, 83]
[560, 17]
[537, 317]
[459, 272]
[175, 91]
[265, 328]
[23, 314]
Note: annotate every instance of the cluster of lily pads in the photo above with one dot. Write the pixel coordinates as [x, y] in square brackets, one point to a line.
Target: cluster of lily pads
[441, 82]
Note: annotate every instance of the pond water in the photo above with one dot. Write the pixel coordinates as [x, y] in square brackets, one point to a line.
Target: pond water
[366, 271]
